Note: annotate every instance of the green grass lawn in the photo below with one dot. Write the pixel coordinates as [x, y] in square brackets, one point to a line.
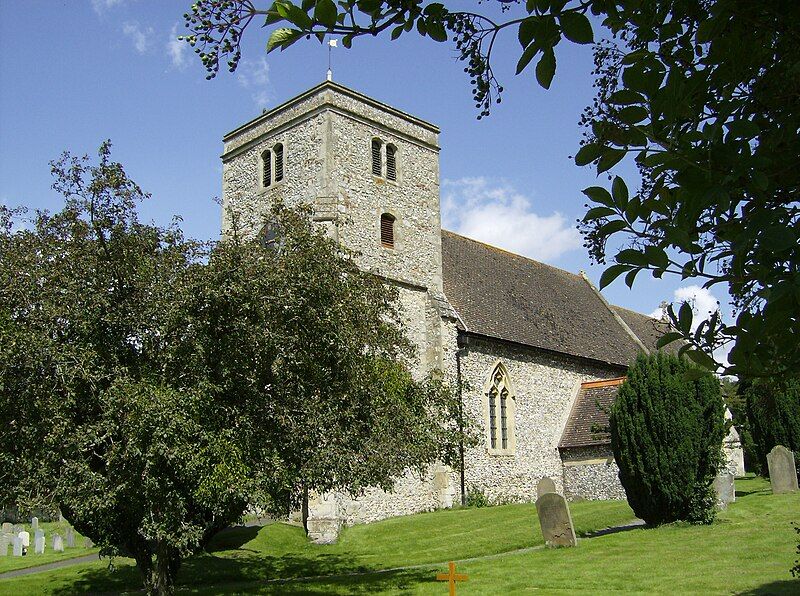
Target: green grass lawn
[10, 563]
[748, 550]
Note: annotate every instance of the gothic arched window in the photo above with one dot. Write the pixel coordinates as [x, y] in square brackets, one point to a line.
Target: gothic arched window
[377, 159]
[500, 412]
[391, 162]
[387, 230]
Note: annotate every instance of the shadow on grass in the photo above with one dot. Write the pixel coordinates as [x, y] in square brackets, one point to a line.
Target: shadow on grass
[615, 530]
[233, 538]
[791, 586]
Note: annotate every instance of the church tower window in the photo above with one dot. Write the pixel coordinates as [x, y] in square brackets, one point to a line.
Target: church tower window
[377, 161]
[387, 230]
[278, 162]
[500, 412]
[266, 168]
[391, 162]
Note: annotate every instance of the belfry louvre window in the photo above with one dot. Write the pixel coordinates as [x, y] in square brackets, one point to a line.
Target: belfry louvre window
[500, 421]
[278, 162]
[387, 230]
[391, 162]
[272, 165]
[266, 168]
[377, 162]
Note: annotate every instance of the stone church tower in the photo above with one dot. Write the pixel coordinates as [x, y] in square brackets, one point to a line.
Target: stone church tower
[371, 174]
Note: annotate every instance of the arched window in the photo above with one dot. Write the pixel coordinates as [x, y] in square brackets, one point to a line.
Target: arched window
[391, 162]
[278, 149]
[377, 162]
[500, 411]
[387, 230]
[266, 168]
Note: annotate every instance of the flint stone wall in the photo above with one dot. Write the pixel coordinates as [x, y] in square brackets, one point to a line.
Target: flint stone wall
[545, 386]
[591, 473]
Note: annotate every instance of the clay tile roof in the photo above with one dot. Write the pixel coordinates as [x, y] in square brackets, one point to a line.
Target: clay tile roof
[646, 328]
[510, 297]
[589, 413]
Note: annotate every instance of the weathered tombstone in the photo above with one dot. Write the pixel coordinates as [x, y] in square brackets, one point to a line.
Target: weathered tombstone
[58, 544]
[725, 489]
[545, 485]
[5, 541]
[34, 523]
[782, 473]
[16, 543]
[555, 520]
[70, 537]
[38, 542]
[17, 528]
[25, 537]
[6, 527]
[87, 542]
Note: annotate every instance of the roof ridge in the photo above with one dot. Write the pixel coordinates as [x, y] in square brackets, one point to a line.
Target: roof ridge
[512, 254]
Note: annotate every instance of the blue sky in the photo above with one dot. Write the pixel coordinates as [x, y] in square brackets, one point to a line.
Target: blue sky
[75, 72]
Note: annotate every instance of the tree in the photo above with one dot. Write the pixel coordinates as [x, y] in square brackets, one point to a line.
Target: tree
[703, 95]
[666, 434]
[152, 387]
[773, 416]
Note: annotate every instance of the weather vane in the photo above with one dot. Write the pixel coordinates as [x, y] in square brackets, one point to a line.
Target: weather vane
[332, 43]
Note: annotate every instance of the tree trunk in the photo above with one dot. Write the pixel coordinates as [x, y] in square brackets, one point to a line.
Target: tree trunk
[159, 579]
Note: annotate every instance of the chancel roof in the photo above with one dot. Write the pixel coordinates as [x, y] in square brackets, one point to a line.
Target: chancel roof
[506, 296]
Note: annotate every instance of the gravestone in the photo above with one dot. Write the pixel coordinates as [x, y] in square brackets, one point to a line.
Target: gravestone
[6, 527]
[70, 537]
[782, 472]
[58, 544]
[725, 489]
[25, 537]
[34, 523]
[17, 528]
[545, 485]
[555, 520]
[38, 542]
[16, 543]
[87, 542]
[5, 541]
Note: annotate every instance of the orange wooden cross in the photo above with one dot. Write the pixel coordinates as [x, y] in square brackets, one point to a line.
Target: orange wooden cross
[452, 577]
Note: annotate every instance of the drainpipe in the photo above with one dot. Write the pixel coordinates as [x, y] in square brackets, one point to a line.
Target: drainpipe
[463, 342]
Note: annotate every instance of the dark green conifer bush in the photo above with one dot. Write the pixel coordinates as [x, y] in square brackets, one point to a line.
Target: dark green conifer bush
[667, 427]
[773, 416]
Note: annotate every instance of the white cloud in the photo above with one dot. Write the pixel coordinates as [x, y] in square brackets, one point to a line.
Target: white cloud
[254, 76]
[177, 50]
[102, 5]
[496, 213]
[142, 38]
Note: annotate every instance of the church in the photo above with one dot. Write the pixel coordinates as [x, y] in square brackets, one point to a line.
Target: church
[538, 351]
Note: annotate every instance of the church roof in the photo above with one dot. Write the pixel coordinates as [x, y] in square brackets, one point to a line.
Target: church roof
[506, 296]
[589, 417]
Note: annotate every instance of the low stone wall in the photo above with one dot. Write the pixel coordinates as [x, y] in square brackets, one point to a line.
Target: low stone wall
[591, 473]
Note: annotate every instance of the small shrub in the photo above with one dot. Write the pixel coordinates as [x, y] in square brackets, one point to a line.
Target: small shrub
[666, 433]
[477, 498]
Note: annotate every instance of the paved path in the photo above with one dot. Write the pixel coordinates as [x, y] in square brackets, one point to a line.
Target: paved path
[637, 523]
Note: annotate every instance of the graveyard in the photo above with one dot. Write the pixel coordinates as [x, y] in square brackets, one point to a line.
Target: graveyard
[748, 549]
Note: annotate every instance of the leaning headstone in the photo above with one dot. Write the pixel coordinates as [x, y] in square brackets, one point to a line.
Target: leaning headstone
[87, 542]
[782, 472]
[38, 542]
[555, 520]
[25, 537]
[16, 543]
[546, 485]
[34, 523]
[6, 527]
[725, 489]
[70, 537]
[58, 544]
